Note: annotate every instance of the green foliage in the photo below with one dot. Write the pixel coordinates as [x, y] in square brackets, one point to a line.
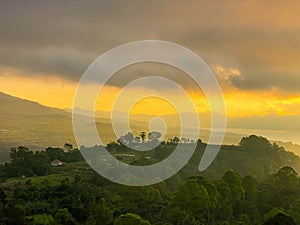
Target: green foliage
[131, 219]
[254, 143]
[41, 219]
[104, 215]
[280, 219]
[71, 155]
[26, 163]
[234, 182]
[272, 213]
[14, 214]
[143, 135]
[75, 194]
[197, 201]
[63, 217]
[250, 187]
[192, 199]
[224, 210]
[286, 178]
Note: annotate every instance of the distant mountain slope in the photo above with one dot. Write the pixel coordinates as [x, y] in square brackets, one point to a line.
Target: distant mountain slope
[24, 122]
[10, 104]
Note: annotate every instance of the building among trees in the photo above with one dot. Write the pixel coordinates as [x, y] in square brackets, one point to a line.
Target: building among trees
[56, 162]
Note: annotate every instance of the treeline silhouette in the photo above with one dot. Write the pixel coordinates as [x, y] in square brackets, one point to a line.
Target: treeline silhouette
[24, 162]
[230, 200]
[252, 183]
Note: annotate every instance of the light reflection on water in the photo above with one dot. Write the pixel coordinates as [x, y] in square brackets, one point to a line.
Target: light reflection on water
[278, 135]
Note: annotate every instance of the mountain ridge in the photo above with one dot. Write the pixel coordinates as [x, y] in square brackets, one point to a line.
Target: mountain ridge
[25, 122]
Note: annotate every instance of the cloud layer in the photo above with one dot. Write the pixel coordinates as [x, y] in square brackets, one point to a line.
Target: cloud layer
[61, 38]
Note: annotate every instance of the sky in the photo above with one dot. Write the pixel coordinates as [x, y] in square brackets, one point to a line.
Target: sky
[253, 47]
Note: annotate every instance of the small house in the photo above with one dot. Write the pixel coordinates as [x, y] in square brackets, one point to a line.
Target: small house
[56, 162]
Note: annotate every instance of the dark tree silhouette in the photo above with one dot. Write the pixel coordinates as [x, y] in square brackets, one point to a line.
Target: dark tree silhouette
[280, 219]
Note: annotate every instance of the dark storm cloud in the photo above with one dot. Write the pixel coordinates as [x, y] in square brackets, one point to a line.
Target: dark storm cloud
[62, 38]
[268, 80]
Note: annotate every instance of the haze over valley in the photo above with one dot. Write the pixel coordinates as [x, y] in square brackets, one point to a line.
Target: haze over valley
[29, 123]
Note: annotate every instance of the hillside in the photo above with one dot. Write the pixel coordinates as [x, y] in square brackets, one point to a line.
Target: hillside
[24, 122]
[247, 184]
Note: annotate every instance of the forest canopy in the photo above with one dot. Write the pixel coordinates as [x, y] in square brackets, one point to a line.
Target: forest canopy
[236, 189]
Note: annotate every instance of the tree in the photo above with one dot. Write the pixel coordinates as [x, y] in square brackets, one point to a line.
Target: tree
[234, 181]
[143, 136]
[127, 139]
[131, 219]
[254, 144]
[104, 214]
[250, 186]
[224, 210]
[294, 210]
[40, 163]
[68, 146]
[213, 195]
[41, 219]
[175, 140]
[77, 179]
[26, 163]
[143, 201]
[179, 216]
[55, 153]
[286, 178]
[15, 214]
[154, 135]
[192, 198]
[63, 217]
[280, 219]
[21, 160]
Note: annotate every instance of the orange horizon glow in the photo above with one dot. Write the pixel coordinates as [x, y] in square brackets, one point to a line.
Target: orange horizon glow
[59, 93]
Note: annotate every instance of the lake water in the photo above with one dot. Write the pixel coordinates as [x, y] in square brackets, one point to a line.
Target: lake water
[280, 135]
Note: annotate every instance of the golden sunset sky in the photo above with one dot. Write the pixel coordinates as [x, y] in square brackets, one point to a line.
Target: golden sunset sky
[252, 46]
